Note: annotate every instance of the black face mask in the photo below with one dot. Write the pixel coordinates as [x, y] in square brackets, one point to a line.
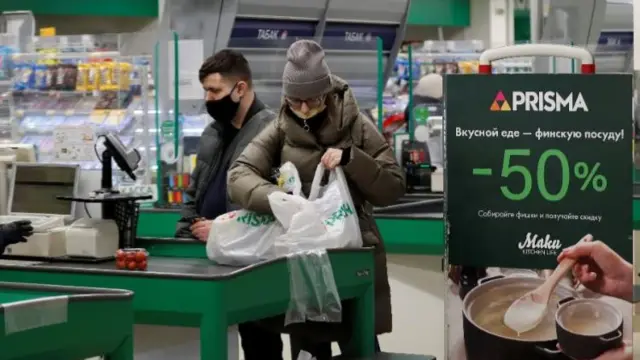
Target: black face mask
[223, 110]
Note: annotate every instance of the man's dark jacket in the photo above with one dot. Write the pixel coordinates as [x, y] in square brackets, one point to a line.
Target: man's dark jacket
[211, 158]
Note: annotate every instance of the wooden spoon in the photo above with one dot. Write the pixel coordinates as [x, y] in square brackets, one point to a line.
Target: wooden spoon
[528, 311]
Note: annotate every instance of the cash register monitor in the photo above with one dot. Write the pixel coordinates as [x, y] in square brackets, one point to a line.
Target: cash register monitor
[34, 188]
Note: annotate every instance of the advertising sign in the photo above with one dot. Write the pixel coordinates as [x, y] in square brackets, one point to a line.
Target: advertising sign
[249, 33]
[345, 36]
[534, 165]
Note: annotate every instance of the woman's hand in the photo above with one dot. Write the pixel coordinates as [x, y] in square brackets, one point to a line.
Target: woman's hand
[331, 158]
[600, 269]
[625, 352]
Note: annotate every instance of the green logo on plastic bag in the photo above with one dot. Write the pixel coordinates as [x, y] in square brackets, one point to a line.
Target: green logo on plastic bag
[342, 213]
[255, 219]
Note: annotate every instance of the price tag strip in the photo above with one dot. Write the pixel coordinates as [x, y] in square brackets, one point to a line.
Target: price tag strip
[533, 163]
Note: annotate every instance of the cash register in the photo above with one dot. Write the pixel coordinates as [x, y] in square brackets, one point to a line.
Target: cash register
[99, 238]
[33, 190]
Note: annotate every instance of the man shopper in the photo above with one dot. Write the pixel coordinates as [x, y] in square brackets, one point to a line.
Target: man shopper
[238, 116]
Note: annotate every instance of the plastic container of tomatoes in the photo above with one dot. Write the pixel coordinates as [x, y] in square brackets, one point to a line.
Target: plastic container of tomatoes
[132, 259]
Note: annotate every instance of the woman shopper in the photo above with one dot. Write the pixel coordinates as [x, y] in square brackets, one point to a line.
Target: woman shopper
[319, 122]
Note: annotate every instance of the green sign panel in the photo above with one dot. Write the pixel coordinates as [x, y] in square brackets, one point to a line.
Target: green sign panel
[534, 163]
[421, 114]
[167, 129]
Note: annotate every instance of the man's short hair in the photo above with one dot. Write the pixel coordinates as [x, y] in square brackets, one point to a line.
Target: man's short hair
[228, 63]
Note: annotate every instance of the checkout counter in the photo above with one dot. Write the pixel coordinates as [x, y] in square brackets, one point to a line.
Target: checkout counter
[180, 287]
[43, 322]
[192, 292]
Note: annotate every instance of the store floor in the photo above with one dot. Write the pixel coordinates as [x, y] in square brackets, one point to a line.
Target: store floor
[417, 286]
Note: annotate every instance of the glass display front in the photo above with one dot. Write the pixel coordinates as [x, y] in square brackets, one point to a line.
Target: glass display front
[63, 92]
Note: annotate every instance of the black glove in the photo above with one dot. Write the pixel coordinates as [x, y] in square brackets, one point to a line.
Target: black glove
[15, 232]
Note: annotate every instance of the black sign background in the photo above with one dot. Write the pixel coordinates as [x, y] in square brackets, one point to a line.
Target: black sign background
[484, 228]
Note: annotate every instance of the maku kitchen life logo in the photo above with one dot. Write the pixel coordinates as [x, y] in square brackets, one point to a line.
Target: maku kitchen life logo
[539, 101]
[534, 244]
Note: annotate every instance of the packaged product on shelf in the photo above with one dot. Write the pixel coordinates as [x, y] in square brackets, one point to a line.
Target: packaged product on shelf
[106, 81]
[6, 62]
[122, 76]
[468, 67]
[51, 77]
[82, 82]
[94, 77]
[70, 76]
[108, 101]
[24, 76]
[40, 80]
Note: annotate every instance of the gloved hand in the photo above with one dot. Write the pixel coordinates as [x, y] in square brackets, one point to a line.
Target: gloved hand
[15, 232]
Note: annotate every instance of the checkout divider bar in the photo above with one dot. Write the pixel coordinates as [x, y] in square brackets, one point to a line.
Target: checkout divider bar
[408, 205]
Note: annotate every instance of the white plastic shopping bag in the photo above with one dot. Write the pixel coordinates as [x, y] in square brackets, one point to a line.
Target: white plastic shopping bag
[335, 209]
[243, 238]
[285, 204]
[289, 179]
[327, 220]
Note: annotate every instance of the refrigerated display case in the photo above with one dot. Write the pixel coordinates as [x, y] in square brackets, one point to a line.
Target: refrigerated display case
[63, 92]
[77, 90]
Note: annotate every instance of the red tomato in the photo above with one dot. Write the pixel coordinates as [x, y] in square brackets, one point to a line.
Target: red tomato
[142, 265]
[132, 265]
[131, 256]
[141, 256]
[120, 255]
[121, 264]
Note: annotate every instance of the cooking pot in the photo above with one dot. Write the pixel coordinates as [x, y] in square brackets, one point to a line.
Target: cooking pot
[587, 328]
[485, 335]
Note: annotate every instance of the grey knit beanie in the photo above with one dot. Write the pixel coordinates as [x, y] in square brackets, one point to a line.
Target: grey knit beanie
[306, 74]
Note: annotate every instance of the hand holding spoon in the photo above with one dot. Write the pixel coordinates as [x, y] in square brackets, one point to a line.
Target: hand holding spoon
[529, 310]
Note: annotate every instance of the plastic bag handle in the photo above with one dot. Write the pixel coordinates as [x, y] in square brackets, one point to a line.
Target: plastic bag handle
[315, 184]
[586, 58]
[337, 172]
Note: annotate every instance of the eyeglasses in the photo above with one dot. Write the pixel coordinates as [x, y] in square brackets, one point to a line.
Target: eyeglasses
[311, 103]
